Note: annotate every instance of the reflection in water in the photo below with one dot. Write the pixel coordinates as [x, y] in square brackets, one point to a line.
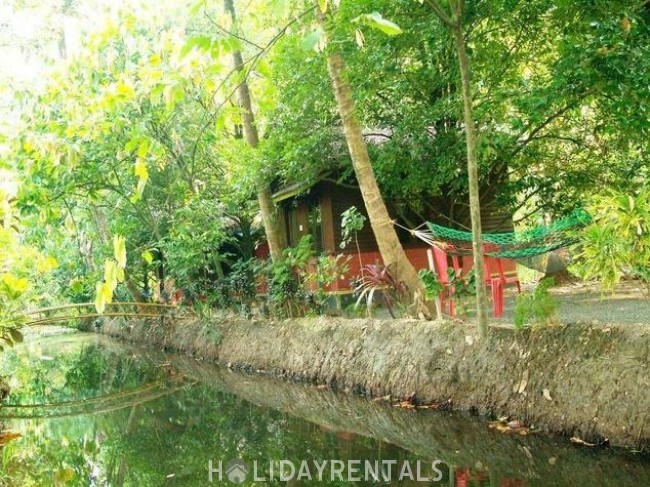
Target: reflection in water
[92, 411]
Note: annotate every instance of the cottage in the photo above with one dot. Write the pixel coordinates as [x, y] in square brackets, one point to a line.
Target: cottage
[316, 210]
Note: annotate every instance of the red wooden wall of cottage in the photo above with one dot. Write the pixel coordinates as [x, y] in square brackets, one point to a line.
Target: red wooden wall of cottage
[416, 255]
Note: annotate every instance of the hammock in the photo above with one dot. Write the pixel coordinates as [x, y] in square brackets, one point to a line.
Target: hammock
[510, 245]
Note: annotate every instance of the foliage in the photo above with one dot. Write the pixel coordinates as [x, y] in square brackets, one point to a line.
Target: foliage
[10, 336]
[286, 291]
[128, 445]
[286, 295]
[135, 131]
[21, 267]
[239, 288]
[378, 279]
[617, 242]
[112, 146]
[352, 222]
[537, 306]
[463, 287]
[431, 283]
[434, 288]
[549, 79]
[113, 274]
[297, 284]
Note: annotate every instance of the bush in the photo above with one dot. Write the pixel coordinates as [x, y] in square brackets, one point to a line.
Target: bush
[536, 307]
[617, 242]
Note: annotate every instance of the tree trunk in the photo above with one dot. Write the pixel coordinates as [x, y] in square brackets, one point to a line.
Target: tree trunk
[455, 23]
[264, 196]
[390, 247]
[472, 172]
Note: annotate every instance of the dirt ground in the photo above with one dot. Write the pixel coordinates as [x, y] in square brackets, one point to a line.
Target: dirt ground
[581, 302]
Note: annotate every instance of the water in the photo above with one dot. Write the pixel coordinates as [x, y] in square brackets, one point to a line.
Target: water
[106, 413]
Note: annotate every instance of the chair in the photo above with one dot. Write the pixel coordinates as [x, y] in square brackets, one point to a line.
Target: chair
[500, 272]
[438, 263]
[508, 271]
[495, 275]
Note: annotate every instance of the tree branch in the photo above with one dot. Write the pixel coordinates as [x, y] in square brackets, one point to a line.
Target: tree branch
[231, 34]
[252, 62]
[446, 19]
[545, 123]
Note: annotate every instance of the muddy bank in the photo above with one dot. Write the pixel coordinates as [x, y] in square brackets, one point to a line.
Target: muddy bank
[581, 380]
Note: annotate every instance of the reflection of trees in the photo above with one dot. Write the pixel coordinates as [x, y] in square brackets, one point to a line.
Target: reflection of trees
[139, 445]
[67, 370]
[176, 434]
[101, 404]
[180, 434]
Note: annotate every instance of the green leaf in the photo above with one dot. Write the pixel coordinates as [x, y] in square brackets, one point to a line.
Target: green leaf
[147, 256]
[132, 144]
[311, 40]
[143, 148]
[376, 21]
[156, 93]
[119, 249]
[323, 5]
[201, 42]
[196, 7]
[279, 7]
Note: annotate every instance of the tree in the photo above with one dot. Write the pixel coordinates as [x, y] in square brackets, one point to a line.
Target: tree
[455, 23]
[110, 150]
[267, 207]
[381, 223]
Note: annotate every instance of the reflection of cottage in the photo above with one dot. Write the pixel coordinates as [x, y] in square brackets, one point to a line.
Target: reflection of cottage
[316, 210]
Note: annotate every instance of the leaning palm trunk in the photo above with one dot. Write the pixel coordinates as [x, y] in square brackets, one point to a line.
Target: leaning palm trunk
[390, 247]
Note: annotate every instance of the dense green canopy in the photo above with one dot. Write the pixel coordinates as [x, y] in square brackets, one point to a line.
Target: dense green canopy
[128, 124]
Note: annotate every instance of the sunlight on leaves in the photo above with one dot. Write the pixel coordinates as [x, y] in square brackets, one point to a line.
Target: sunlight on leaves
[376, 21]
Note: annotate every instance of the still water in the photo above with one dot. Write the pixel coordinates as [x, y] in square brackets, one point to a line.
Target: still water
[91, 411]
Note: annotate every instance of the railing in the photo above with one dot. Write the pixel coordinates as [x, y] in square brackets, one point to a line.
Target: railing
[81, 311]
[95, 405]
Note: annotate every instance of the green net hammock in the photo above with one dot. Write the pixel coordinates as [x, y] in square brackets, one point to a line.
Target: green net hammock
[510, 245]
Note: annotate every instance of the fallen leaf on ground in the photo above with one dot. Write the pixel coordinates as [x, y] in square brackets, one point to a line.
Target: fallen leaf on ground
[514, 427]
[381, 398]
[408, 402]
[514, 424]
[523, 383]
[433, 405]
[580, 442]
[405, 405]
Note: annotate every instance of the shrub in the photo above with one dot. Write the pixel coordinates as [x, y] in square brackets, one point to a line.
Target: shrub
[617, 242]
[297, 283]
[537, 306]
[377, 278]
